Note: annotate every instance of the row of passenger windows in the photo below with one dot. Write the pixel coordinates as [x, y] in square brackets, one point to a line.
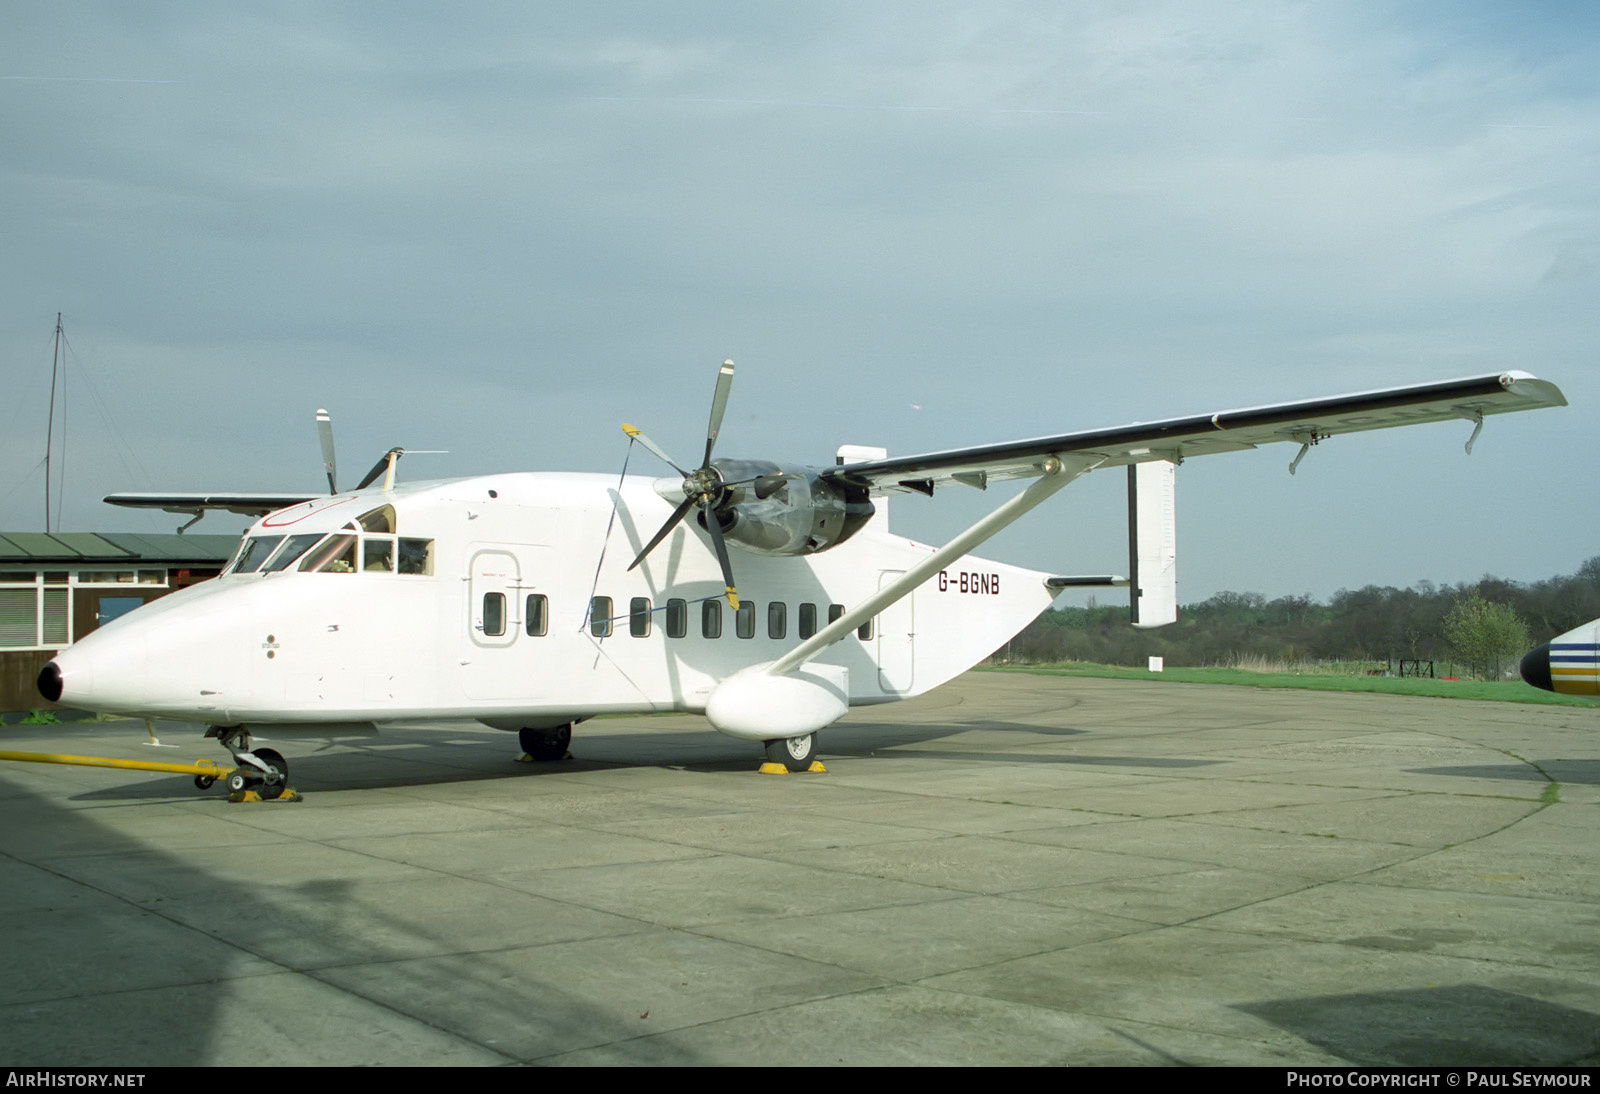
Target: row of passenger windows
[675, 618]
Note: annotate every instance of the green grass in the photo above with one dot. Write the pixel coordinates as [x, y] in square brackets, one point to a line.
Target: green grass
[1508, 691]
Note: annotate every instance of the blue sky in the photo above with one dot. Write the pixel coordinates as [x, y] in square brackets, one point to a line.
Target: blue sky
[504, 229]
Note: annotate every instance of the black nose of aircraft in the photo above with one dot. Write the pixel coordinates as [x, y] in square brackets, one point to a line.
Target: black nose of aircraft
[1535, 667]
[50, 682]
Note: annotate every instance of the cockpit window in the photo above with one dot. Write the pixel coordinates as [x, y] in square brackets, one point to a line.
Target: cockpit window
[255, 553]
[293, 547]
[380, 519]
[416, 556]
[377, 554]
[334, 555]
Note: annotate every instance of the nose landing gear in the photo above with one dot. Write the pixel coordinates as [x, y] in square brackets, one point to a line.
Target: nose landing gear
[262, 774]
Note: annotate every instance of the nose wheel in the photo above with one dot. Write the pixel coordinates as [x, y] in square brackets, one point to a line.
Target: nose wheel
[263, 770]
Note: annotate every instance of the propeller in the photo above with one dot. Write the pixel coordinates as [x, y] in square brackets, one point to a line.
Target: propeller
[325, 434]
[703, 486]
[384, 466]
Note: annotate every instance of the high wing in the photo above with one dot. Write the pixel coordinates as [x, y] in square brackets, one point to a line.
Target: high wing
[1176, 439]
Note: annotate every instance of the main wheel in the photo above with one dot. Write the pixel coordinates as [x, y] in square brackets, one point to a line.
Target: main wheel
[546, 745]
[273, 786]
[794, 753]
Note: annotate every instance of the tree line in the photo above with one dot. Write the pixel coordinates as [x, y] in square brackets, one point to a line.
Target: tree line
[1375, 623]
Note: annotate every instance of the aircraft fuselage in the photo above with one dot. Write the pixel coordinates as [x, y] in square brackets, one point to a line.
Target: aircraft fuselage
[508, 599]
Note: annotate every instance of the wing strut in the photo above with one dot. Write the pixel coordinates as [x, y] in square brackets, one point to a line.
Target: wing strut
[1055, 472]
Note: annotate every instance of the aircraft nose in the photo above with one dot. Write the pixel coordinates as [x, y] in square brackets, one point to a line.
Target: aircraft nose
[50, 682]
[1535, 668]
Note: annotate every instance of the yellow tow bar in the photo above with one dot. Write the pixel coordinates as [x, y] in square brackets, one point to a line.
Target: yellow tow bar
[203, 768]
[204, 771]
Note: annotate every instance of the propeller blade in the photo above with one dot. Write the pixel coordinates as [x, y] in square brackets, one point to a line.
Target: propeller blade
[672, 522]
[325, 434]
[652, 447]
[380, 467]
[719, 403]
[714, 526]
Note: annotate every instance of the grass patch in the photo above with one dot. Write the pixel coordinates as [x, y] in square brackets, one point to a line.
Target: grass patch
[1504, 691]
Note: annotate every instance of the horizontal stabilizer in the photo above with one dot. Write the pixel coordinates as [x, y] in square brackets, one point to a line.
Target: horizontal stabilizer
[1084, 581]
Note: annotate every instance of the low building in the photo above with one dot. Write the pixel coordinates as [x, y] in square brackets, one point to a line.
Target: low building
[55, 588]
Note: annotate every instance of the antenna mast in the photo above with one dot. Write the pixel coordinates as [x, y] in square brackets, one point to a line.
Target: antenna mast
[49, 431]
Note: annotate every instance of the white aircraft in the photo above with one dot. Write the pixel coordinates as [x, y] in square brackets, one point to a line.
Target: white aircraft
[531, 602]
[1568, 663]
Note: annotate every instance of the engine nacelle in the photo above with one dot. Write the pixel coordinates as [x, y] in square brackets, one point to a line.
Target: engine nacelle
[777, 509]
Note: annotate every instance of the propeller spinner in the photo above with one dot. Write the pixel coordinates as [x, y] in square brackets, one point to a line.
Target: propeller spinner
[703, 486]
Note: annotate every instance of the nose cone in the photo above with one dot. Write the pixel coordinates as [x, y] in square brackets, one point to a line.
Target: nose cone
[50, 682]
[1535, 668]
[1568, 663]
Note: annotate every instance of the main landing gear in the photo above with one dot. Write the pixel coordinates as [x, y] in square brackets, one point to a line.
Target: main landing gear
[262, 771]
[546, 745]
[787, 754]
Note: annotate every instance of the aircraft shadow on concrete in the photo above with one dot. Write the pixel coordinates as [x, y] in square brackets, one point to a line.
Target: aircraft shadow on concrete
[1575, 772]
[195, 963]
[420, 757]
[1458, 1025]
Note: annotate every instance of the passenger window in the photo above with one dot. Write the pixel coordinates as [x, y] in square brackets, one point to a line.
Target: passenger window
[537, 615]
[834, 612]
[711, 619]
[677, 618]
[494, 614]
[864, 632]
[777, 619]
[600, 617]
[744, 620]
[807, 621]
[377, 554]
[639, 617]
[416, 556]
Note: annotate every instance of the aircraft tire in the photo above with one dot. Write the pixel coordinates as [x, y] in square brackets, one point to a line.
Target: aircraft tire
[267, 789]
[546, 745]
[794, 753]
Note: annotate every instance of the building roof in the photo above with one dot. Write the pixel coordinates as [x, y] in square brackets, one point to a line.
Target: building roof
[105, 547]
